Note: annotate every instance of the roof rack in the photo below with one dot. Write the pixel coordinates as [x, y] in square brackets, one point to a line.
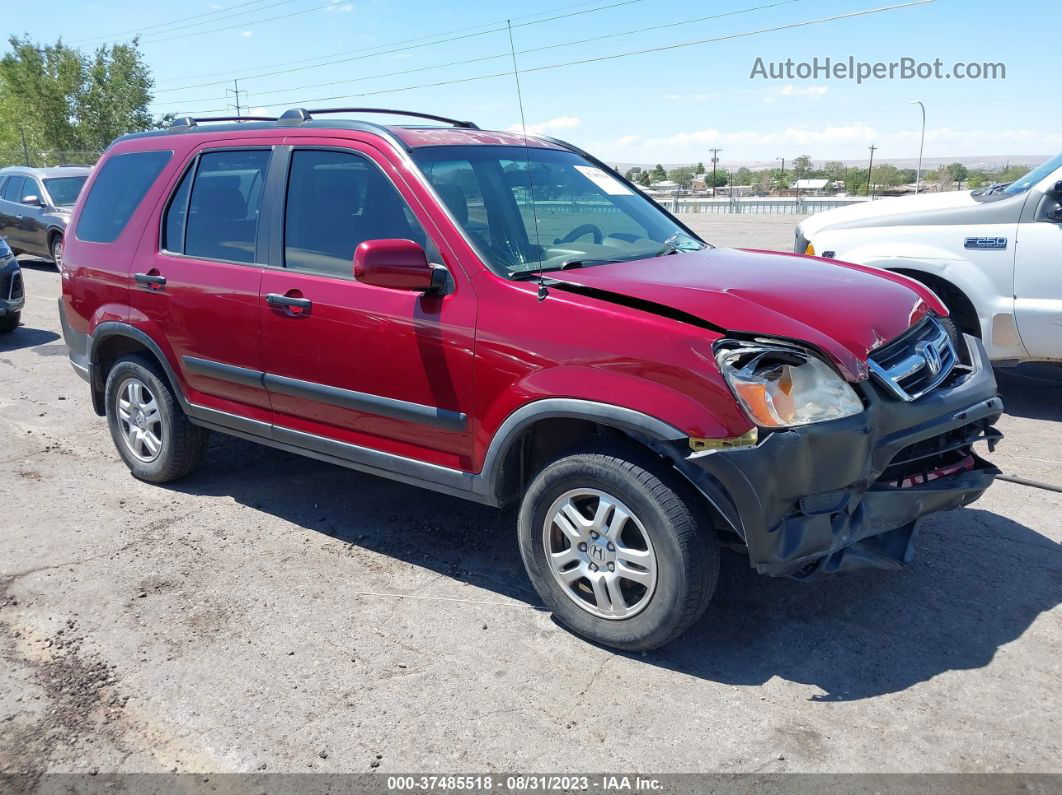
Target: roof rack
[296, 116]
[190, 121]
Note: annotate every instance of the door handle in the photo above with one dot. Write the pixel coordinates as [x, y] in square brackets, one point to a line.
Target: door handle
[152, 279]
[276, 299]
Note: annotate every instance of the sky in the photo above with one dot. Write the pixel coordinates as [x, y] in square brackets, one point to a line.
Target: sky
[670, 105]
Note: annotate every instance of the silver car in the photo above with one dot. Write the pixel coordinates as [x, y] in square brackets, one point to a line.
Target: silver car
[35, 205]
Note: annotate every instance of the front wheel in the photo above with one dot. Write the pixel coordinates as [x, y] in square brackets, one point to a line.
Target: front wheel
[153, 435]
[612, 543]
[9, 322]
[56, 248]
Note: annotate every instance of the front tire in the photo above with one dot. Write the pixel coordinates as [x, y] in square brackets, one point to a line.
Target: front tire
[152, 433]
[9, 322]
[612, 542]
[56, 250]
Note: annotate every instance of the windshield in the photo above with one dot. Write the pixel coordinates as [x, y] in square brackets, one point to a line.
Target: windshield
[1034, 176]
[64, 190]
[576, 215]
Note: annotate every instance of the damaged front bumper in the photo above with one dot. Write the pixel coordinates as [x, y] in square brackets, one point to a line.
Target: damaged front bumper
[848, 494]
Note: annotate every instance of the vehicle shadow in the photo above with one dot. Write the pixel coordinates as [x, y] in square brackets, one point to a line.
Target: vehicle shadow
[1033, 391]
[25, 337]
[979, 582]
[35, 263]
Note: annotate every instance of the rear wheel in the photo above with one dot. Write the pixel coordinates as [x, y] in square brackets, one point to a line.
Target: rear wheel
[152, 433]
[9, 322]
[612, 543]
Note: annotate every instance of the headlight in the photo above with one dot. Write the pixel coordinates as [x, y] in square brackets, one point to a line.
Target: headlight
[780, 387]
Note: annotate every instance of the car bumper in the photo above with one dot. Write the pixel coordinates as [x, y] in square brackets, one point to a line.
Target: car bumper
[12, 291]
[848, 494]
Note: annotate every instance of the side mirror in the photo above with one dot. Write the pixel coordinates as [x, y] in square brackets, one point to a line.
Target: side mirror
[397, 264]
[33, 200]
[1057, 190]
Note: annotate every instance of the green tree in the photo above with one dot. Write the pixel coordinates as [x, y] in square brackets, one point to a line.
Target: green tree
[957, 172]
[699, 168]
[67, 103]
[801, 166]
[658, 174]
[644, 179]
[683, 175]
[633, 173]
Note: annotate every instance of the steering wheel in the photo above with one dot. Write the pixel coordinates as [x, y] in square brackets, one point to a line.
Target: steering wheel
[579, 231]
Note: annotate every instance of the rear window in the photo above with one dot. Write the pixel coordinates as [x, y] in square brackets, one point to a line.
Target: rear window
[121, 184]
[13, 189]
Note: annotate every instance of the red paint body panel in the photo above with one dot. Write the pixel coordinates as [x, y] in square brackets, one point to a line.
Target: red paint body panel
[486, 347]
[844, 311]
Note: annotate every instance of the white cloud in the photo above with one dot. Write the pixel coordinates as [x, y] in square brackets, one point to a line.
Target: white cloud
[803, 91]
[340, 7]
[259, 112]
[559, 123]
[247, 34]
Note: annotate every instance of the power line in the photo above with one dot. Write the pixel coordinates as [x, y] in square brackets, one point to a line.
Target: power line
[243, 24]
[614, 56]
[373, 51]
[173, 21]
[501, 55]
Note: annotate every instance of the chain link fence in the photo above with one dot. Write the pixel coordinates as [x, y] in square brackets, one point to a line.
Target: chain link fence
[51, 157]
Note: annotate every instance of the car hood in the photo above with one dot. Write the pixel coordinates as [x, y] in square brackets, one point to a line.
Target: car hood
[844, 310]
[889, 212]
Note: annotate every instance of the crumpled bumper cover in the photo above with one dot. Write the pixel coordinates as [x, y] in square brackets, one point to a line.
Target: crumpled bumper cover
[848, 494]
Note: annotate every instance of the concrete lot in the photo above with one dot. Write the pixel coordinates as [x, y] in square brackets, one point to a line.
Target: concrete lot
[273, 612]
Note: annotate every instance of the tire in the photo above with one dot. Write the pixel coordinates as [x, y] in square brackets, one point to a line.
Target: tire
[9, 322]
[638, 613]
[152, 433]
[55, 248]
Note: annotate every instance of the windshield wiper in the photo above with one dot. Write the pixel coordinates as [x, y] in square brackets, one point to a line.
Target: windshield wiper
[672, 245]
[568, 264]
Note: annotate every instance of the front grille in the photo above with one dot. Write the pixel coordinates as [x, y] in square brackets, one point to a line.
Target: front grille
[915, 363]
[945, 455]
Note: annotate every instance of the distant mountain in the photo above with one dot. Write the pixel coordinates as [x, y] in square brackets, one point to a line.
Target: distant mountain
[987, 162]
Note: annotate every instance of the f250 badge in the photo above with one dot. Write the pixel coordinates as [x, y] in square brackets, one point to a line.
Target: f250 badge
[986, 243]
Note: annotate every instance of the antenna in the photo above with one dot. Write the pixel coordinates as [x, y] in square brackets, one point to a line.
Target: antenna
[542, 291]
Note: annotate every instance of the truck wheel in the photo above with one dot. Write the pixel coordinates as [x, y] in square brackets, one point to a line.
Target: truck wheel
[612, 544]
[152, 433]
[56, 248]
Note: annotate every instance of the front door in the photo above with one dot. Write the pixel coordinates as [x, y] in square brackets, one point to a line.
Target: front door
[386, 369]
[197, 283]
[1038, 273]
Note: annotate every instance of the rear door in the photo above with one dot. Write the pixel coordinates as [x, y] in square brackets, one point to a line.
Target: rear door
[197, 283]
[380, 368]
[11, 209]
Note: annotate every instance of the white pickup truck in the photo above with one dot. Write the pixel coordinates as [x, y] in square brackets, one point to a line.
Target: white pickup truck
[993, 255]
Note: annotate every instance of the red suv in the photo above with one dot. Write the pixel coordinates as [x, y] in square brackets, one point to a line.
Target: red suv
[511, 321]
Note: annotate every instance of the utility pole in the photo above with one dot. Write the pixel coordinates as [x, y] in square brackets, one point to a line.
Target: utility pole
[236, 92]
[921, 146]
[870, 168]
[25, 149]
[781, 179]
[715, 160]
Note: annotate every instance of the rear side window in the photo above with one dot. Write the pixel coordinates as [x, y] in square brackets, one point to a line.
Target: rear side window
[214, 213]
[117, 191]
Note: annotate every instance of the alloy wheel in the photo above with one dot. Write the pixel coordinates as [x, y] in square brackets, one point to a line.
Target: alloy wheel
[599, 553]
[139, 420]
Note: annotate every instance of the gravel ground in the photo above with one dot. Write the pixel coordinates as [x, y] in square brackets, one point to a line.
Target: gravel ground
[276, 613]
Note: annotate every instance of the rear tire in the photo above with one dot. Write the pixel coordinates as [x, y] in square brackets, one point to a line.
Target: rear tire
[152, 433]
[9, 322]
[633, 583]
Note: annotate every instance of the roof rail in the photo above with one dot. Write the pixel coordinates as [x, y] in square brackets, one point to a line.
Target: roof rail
[296, 116]
[190, 121]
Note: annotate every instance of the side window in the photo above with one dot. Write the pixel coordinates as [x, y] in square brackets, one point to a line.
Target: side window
[13, 189]
[176, 213]
[335, 201]
[32, 188]
[226, 196]
[116, 192]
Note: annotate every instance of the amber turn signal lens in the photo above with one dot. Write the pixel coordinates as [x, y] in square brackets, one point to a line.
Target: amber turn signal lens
[810, 250]
[767, 404]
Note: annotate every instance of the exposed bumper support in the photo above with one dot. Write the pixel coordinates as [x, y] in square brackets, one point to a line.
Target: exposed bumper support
[848, 494]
